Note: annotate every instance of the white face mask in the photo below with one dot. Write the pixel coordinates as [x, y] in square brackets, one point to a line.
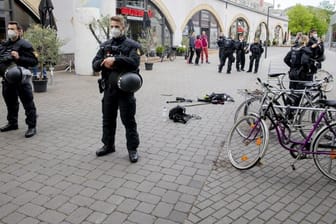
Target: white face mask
[115, 32]
[315, 36]
[11, 34]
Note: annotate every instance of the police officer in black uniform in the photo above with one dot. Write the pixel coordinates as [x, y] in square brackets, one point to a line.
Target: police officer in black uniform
[241, 48]
[298, 59]
[17, 52]
[317, 48]
[220, 43]
[228, 47]
[256, 50]
[115, 57]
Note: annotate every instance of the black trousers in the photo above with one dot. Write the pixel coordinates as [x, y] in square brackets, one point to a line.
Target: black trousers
[225, 56]
[191, 55]
[24, 91]
[198, 55]
[113, 100]
[240, 63]
[254, 59]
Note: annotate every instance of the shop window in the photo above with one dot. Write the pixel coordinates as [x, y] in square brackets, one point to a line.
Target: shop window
[238, 27]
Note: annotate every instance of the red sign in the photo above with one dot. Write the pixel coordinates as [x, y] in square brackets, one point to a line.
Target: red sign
[240, 29]
[134, 12]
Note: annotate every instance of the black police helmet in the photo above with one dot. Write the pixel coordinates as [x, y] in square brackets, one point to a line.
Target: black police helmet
[130, 82]
[13, 74]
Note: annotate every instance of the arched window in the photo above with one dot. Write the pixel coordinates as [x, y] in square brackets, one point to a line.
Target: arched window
[239, 26]
[203, 20]
[261, 32]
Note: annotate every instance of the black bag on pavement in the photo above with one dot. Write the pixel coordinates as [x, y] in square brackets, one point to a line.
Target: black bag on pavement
[177, 114]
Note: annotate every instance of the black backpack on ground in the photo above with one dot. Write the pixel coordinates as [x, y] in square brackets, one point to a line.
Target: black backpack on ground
[177, 114]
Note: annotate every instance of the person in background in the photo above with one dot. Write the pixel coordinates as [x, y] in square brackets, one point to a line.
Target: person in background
[298, 60]
[227, 53]
[317, 47]
[241, 47]
[220, 43]
[205, 46]
[198, 49]
[256, 51]
[297, 39]
[191, 47]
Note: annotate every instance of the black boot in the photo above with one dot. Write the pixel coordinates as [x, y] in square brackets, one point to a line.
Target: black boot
[106, 149]
[133, 156]
[9, 127]
[30, 132]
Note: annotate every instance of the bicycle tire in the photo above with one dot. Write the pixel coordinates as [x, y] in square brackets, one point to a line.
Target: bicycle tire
[245, 151]
[172, 56]
[307, 118]
[323, 74]
[240, 111]
[325, 141]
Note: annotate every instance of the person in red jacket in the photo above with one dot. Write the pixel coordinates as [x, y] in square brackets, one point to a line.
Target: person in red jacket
[205, 46]
[198, 48]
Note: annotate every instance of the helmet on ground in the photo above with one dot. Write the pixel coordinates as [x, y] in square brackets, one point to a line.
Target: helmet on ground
[130, 82]
[13, 74]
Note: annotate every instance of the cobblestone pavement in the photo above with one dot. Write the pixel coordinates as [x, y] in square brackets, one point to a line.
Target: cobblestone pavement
[182, 175]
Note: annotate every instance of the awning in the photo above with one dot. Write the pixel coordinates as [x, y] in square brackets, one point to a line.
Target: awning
[32, 5]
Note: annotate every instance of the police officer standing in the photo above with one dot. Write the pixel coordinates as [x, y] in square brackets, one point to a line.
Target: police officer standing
[256, 50]
[220, 43]
[227, 53]
[241, 48]
[317, 48]
[298, 59]
[16, 55]
[117, 56]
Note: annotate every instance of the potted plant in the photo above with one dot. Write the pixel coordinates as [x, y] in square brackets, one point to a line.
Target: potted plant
[47, 47]
[181, 50]
[146, 44]
[159, 50]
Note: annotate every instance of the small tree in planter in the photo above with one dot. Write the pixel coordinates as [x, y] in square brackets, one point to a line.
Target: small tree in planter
[147, 47]
[47, 48]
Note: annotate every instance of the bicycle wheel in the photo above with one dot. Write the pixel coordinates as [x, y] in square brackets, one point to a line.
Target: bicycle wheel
[329, 80]
[245, 150]
[250, 105]
[307, 118]
[172, 56]
[324, 149]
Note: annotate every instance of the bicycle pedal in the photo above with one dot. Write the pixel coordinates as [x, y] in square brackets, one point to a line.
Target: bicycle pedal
[260, 163]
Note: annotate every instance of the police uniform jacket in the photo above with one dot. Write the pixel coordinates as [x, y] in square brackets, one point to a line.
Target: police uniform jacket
[26, 54]
[256, 49]
[300, 64]
[127, 58]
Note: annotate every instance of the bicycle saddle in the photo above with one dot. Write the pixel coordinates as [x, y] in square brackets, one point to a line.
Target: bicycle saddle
[273, 75]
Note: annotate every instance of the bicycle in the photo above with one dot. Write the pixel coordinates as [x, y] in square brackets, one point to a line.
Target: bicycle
[169, 53]
[249, 137]
[307, 97]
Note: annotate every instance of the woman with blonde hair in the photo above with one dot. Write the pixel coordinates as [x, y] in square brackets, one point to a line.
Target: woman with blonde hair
[298, 59]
